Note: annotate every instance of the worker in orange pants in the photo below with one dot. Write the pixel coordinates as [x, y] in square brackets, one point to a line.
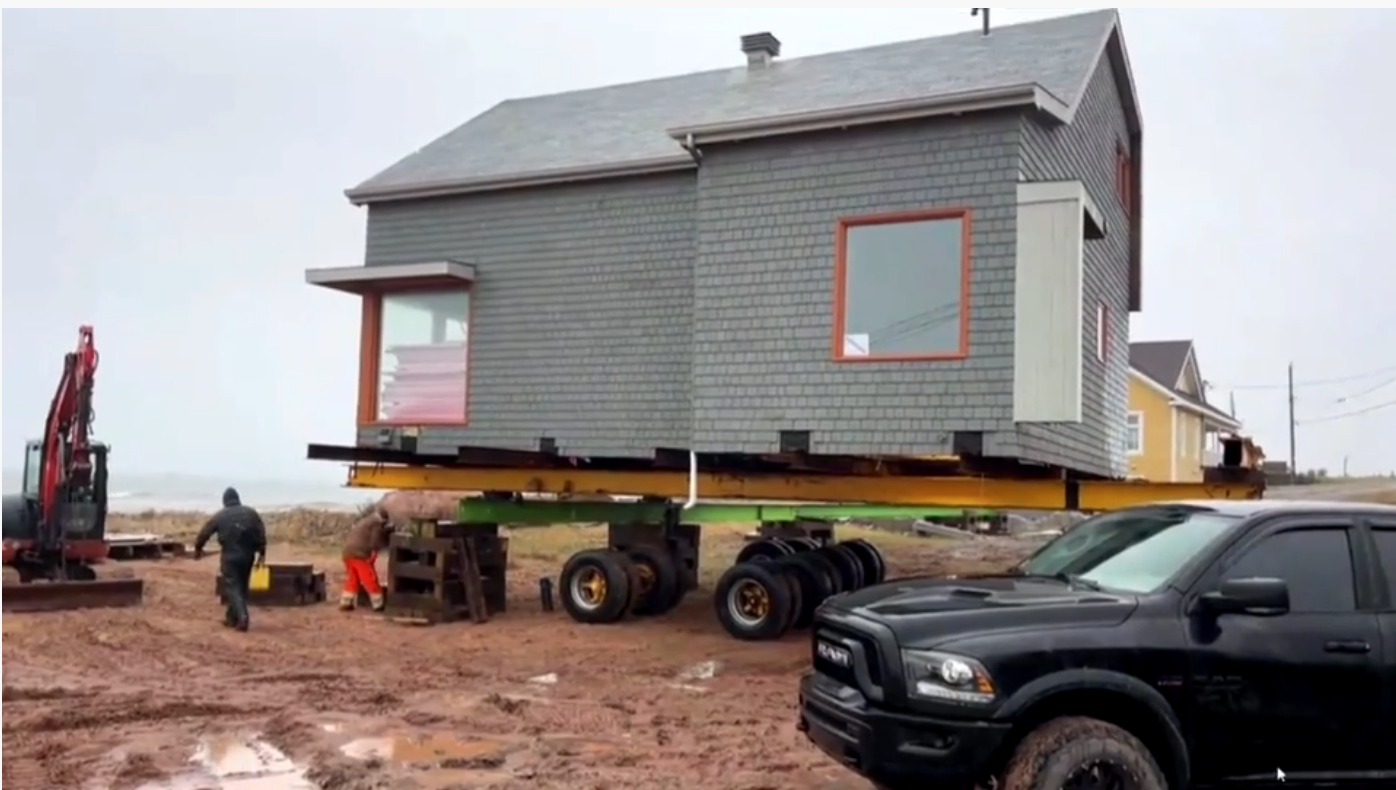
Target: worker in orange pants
[368, 535]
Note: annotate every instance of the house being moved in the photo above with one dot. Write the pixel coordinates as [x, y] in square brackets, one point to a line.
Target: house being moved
[905, 250]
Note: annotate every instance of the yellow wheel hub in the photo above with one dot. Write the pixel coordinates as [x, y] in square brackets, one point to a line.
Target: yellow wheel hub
[593, 586]
[754, 601]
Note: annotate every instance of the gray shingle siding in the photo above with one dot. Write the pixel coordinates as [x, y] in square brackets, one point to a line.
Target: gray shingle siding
[763, 310]
[582, 310]
[696, 309]
[1085, 151]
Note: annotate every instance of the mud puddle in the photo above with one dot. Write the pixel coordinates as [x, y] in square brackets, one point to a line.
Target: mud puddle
[237, 762]
[442, 759]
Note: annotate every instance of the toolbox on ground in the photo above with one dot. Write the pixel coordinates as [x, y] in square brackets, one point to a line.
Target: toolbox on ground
[282, 584]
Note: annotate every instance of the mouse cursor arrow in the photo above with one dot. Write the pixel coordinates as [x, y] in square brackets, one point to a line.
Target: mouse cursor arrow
[1279, 775]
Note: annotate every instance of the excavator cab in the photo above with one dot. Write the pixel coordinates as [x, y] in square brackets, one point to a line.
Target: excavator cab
[81, 507]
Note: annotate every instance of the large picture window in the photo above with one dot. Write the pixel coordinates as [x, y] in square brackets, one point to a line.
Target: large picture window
[422, 356]
[902, 287]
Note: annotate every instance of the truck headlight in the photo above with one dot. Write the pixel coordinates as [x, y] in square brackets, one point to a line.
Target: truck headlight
[947, 678]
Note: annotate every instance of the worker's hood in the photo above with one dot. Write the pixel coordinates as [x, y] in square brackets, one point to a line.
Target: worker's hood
[926, 611]
[230, 497]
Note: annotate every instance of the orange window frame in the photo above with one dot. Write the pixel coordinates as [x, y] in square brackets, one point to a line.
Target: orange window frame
[964, 215]
[371, 356]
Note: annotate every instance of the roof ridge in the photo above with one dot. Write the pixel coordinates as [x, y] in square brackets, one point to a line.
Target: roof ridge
[777, 63]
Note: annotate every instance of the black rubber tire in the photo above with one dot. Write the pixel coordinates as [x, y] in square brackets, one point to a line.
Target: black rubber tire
[615, 567]
[764, 549]
[828, 569]
[797, 596]
[874, 568]
[803, 544]
[814, 582]
[1050, 754]
[663, 593]
[846, 563]
[637, 582]
[777, 619]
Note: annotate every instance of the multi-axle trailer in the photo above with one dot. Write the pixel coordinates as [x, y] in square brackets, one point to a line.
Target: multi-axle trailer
[650, 561]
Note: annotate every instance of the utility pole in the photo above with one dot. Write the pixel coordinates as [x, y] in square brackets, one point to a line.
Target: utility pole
[1293, 464]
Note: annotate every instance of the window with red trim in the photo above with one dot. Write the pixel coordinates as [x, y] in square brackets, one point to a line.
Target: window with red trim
[901, 286]
[1124, 178]
[422, 356]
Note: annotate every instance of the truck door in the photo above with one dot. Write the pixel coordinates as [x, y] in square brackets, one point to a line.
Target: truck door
[1297, 691]
[1384, 537]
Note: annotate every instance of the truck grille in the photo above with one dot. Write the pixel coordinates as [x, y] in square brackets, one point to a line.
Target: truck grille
[846, 672]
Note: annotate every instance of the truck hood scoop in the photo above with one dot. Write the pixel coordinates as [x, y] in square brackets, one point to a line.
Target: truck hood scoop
[924, 596]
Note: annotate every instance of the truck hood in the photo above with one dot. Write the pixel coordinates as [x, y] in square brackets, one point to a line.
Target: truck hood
[924, 611]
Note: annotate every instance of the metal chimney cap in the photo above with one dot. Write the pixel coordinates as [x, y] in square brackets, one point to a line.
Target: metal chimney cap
[761, 44]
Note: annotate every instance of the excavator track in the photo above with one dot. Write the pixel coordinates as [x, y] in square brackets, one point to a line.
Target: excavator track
[56, 596]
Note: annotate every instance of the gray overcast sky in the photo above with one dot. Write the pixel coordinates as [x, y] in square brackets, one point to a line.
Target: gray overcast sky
[168, 175]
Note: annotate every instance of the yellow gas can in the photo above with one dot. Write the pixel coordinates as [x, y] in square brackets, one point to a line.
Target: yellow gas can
[261, 579]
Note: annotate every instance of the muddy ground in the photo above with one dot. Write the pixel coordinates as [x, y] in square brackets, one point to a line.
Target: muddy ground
[162, 697]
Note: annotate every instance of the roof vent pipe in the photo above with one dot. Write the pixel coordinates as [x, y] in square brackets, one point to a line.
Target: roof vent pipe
[760, 49]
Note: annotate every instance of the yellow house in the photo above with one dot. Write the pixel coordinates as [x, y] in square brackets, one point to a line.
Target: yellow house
[1172, 432]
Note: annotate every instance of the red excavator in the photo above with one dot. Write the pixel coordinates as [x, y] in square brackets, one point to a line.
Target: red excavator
[55, 530]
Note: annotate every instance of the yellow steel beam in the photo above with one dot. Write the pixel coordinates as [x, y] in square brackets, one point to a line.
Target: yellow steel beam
[969, 492]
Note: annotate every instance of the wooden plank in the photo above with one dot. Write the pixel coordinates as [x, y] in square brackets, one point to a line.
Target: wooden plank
[405, 570]
[474, 589]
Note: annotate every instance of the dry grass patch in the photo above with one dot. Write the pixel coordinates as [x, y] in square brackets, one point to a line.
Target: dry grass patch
[297, 526]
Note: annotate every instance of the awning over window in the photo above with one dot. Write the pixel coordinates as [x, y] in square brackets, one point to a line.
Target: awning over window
[374, 279]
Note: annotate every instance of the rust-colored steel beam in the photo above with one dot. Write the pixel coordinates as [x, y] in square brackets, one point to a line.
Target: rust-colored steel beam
[57, 596]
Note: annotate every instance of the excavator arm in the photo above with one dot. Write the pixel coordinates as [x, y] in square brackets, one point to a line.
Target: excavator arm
[66, 471]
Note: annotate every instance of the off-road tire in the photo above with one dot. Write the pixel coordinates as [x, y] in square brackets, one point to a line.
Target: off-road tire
[615, 567]
[663, 594]
[777, 619]
[1050, 754]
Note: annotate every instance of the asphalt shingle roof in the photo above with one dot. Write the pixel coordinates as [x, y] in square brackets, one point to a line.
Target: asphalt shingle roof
[626, 123]
[1163, 361]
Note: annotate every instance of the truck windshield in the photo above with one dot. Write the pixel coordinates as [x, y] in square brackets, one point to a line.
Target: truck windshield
[1137, 550]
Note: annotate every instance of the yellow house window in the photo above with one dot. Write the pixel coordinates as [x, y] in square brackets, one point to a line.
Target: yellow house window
[1134, 433]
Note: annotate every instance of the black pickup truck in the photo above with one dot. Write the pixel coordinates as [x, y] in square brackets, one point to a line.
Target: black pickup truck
[1179, 645]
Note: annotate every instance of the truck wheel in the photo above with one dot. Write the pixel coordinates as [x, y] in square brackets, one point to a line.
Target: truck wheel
[595, 586]
[659, 580]
[846, 563]
[1079, 753]
[814, 582]
[753, 601]
[874, 569]
[764, 549]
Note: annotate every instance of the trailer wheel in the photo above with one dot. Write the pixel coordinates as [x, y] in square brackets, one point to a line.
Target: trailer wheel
[811, 582]
[595, 586]
[803, 544]
[753, 601]
[846, 563]
[659, 580]
[826, 568]
[797, 596]
[1076, 751]
[874, 568]
[764, 549]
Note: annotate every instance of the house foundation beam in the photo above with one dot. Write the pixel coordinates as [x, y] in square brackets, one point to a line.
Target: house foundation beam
[961, 492]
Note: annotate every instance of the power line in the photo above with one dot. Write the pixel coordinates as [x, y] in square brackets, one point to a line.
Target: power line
[1314, 383]
[1368, 391]
[1353, 413]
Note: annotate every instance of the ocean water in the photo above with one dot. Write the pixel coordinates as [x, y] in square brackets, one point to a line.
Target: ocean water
[130, 493]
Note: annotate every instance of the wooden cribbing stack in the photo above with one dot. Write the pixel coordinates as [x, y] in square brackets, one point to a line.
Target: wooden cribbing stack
[446, 572]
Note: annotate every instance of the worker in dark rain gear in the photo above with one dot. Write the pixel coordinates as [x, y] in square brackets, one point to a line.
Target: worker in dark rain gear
[367, 537]
[242, 538]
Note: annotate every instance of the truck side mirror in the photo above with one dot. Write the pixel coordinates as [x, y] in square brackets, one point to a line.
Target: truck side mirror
[1258, 597]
